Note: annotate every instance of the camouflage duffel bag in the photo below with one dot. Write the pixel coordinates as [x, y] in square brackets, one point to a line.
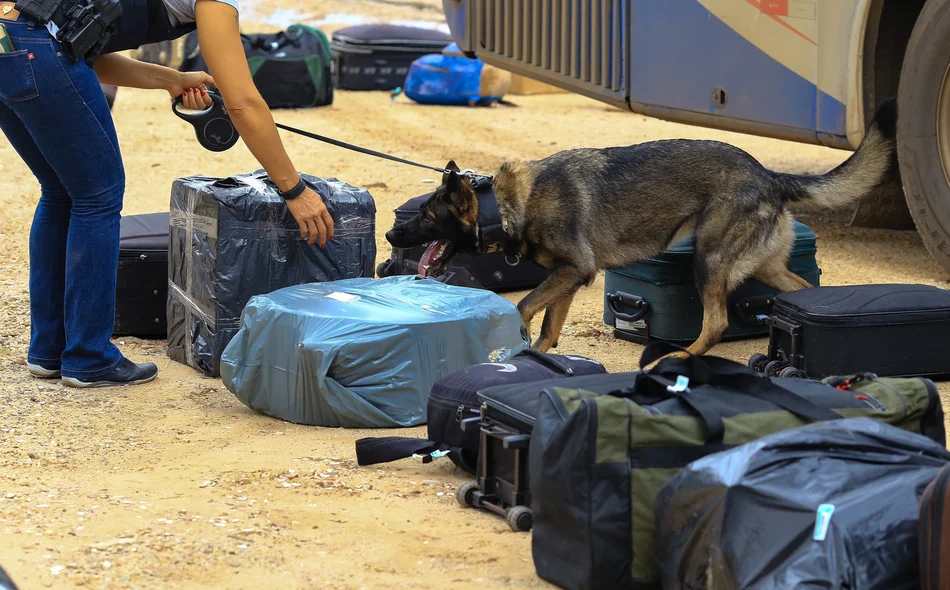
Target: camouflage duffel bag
[597, 459]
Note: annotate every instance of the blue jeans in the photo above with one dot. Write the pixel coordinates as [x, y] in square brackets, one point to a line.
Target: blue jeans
[56, 117]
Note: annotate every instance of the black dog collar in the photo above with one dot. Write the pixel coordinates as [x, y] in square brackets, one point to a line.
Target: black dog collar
[491, 233]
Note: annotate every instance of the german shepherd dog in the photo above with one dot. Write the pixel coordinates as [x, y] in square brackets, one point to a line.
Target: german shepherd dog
[584, 210]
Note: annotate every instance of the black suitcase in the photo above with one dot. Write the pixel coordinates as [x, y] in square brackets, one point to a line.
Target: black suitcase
[142, 279]
[377, 57]
[453, 402]
[506, 417]
[890, 330]
[495, 272]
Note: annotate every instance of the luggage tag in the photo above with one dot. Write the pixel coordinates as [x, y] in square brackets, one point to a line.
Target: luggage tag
[429, 457]
[823, 521]
[213, 127]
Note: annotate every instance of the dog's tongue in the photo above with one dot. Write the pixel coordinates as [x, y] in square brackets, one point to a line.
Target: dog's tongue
[431, 257]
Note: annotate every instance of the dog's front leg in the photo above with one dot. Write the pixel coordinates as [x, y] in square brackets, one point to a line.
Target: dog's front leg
[553, 322]
[555, 292]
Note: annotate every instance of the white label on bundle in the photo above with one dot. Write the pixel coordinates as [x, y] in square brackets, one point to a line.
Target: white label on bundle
[344, 297]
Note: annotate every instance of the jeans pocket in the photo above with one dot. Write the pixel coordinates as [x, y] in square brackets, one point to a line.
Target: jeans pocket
[17, 81]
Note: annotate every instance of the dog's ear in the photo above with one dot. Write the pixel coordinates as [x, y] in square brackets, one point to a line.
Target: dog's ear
[450, 167]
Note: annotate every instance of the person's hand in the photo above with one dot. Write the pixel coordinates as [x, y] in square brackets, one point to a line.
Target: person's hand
[312, 217]
[191, 87]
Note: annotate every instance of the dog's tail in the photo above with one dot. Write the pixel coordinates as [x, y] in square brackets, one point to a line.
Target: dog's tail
[857, 176]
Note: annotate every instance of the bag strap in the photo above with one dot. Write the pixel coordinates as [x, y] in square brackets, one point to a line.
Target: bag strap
[717, 372]
[385, 449]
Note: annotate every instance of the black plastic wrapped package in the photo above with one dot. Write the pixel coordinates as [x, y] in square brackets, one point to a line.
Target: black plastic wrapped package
[233, 238]
[829, 505]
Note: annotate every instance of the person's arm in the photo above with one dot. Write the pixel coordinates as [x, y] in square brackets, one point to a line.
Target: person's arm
[117, 70]
[221, 47]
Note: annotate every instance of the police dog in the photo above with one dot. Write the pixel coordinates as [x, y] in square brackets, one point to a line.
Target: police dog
[580, 211]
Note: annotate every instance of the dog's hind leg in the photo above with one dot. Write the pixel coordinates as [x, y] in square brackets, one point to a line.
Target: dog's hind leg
[776, 274]
[553, 322]
[561, 284]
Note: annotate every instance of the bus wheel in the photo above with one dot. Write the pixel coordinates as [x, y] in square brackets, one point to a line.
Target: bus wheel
[923, 128]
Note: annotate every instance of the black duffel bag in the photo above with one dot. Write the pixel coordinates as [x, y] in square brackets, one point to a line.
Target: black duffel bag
[454, 399]
[291, 69]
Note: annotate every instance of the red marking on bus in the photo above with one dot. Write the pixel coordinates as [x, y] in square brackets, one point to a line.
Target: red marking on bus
[762, 6]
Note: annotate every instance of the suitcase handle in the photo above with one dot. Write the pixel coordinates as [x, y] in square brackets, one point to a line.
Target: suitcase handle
[549, 360]
[627, 300]
[747, 309]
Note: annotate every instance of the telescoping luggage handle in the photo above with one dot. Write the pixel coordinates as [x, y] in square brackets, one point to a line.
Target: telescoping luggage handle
[721, 372]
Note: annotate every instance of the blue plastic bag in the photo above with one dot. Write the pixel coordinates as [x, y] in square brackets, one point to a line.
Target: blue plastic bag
[363, 353]
[447, 80]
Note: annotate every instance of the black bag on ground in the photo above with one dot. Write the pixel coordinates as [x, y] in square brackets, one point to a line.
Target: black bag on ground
[291, 69]
[730, 521]
[598, 455]
[496, 272]
[933, 528]
[141, 288]
[378, 56]
[454, 400]
[892, 330]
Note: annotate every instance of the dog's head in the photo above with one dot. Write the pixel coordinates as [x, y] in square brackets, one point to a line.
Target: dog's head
[448, 221]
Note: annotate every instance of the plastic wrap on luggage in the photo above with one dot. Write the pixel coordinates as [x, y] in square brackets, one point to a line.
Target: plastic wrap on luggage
[233, 238]
[829, 505]
[362, 353]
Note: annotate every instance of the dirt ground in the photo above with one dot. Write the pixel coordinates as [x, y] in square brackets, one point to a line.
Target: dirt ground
[176, 484]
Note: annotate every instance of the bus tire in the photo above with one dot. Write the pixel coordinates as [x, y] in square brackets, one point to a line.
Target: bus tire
[923, 128]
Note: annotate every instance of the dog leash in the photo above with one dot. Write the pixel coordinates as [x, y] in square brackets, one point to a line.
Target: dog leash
[215, 132]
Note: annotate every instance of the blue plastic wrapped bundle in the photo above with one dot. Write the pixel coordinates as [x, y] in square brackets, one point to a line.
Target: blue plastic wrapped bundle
[451, 80]
[361, 353]
[233, 238]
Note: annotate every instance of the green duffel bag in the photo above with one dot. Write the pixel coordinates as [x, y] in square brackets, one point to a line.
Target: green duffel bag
[598, 458]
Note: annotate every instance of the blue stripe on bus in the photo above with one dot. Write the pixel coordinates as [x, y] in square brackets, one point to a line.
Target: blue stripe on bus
[680, 52]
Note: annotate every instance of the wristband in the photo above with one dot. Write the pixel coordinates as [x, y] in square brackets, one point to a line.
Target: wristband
[294, 192]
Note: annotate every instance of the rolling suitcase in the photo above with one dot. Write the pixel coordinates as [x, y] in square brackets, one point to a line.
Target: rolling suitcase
[506, 417]
[377, 57]
[495, 272]
[657, 299]
[889, 330]
[934, 533]
[142, 279]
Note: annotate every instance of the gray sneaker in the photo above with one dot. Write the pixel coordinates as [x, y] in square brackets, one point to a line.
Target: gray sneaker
[41, 373]
[126, 373]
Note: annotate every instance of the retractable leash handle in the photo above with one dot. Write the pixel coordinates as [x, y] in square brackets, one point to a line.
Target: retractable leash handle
[213, 126]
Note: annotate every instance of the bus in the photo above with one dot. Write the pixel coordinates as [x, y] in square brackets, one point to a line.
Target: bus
[810, 71]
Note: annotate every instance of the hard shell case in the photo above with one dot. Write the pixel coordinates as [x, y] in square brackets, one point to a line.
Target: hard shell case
[657, 299]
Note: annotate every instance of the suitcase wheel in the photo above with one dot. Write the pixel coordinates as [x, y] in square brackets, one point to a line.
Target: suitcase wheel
[758, 362]
[519, 518]
[465, 494]
[773, 368]
[792, 373]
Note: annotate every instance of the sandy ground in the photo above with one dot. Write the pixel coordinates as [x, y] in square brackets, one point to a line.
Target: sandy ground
[176, 484]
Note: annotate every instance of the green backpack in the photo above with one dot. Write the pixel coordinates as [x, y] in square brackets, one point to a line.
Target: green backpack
[598, 459]
[291, 68]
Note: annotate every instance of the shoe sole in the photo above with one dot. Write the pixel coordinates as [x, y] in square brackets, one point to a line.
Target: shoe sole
[73, 382]
[41, 373]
